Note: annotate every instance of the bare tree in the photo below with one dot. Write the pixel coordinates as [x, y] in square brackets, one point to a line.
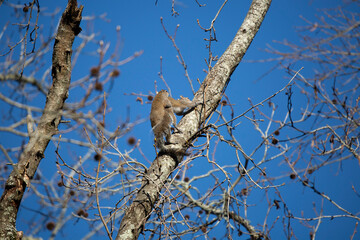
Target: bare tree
[39, 138]
[210, 93]
[22, 80]
[331, 92]
[213, 179]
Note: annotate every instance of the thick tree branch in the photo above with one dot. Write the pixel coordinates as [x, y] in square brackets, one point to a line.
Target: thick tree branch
[30, 158]
[210, 93]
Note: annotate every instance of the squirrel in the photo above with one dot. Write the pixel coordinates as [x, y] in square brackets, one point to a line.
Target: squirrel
[162, 115]
[161, 118]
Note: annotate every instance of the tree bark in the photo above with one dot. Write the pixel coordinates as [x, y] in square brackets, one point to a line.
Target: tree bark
[210, 93]
[33, 153]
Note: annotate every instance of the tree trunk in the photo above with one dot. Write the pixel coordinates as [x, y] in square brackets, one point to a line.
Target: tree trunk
[30, 158]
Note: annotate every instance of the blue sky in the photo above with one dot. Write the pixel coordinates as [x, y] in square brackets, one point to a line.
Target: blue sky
[141, 30]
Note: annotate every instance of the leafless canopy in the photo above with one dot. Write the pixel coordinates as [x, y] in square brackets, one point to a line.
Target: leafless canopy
[286, 160]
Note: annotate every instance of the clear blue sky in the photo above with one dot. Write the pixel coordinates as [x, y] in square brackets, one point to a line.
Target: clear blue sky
[141, 31]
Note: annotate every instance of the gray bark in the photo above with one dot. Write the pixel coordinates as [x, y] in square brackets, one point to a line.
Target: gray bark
[34, 150]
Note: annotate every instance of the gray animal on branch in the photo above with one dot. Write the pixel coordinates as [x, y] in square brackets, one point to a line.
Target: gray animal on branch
[162, 115]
